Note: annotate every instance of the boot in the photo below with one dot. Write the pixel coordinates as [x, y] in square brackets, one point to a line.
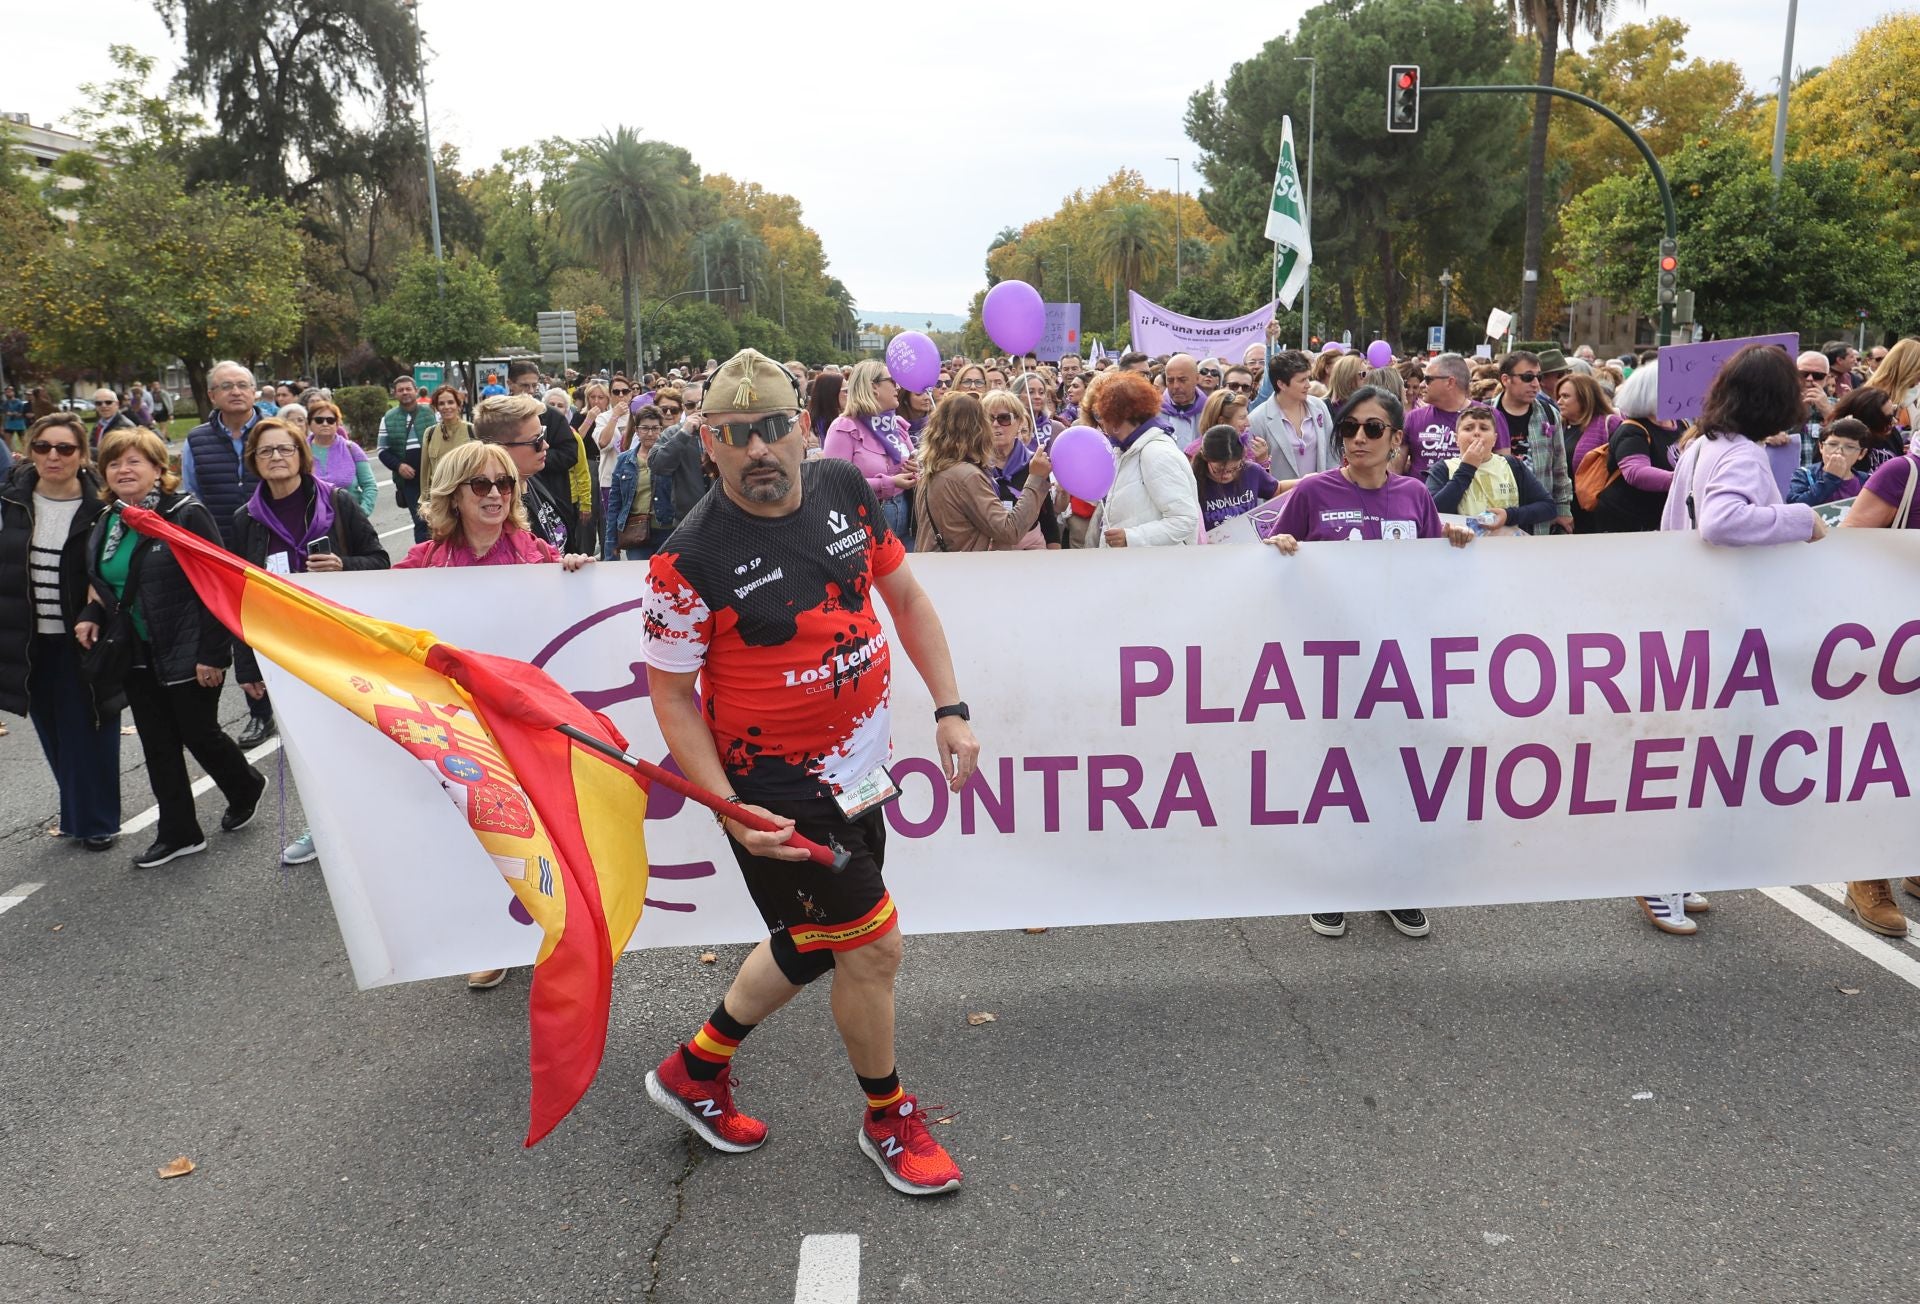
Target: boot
[1912, 885]
[1871, 900]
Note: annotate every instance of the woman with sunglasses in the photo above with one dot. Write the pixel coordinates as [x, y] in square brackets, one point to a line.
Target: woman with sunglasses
[961, 507]
[339, 462]
[294, 524]
[1362, 499]
[180, 649]
[867, 435]
[46, 512]
[1011, 448]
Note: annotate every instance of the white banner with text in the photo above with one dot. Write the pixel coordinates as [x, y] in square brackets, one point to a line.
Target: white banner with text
[1179, 734]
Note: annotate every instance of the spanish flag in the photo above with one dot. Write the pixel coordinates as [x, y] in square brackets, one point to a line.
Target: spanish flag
[562, 822]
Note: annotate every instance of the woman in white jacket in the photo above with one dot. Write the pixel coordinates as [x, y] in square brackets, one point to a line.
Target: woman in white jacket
[1154, 500]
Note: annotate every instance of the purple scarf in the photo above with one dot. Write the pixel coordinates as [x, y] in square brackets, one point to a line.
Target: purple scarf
[1192, 410]
[885, 429]
[320, 498]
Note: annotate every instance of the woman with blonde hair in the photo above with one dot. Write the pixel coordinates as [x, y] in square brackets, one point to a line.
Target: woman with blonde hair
[476, 516]
[1345, 378]
[970, 379]
[868, 434]
[1899, 377]
[1010, 450]
[959, 507]
[1225, 408]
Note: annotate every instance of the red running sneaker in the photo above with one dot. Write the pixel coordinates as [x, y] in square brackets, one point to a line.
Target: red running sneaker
[706, 1107]
[910, 1159]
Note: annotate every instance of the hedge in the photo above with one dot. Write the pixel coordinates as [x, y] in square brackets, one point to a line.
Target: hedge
[361, 407]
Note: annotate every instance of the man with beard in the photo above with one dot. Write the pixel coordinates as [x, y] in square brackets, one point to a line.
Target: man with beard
[762, 598]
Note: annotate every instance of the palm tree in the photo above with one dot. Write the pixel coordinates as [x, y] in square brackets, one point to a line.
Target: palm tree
[730, 254]
[623, 200]
[846, 322]
[1546, 19]
[1131, 243]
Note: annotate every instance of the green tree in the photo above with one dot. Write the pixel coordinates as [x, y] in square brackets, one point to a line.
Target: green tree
[150, 273]
[304, 92]
[624, 199]
[1131, 244]
[1862, 107]
[416, 322]
[729, 259]
[523, 236]
[1547, 20]
[1758, 260]
[1389, 212]
[691, 331]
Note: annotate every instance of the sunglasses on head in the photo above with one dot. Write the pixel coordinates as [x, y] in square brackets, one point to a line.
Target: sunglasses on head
[771, 428]
[480, 484]
[1372, 427]
[47, 448]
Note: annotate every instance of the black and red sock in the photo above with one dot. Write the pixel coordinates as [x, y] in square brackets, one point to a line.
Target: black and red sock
[882, 1093]
[711, 1049]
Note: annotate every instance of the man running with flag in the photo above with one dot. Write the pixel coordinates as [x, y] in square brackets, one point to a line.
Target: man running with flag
[765, 597]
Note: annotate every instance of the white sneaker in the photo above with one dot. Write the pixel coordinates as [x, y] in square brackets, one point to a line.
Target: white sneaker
[300, 851]
[1695, 903]
[1668, 913]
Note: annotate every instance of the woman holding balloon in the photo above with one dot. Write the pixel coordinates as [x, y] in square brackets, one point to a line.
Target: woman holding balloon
[960, 507]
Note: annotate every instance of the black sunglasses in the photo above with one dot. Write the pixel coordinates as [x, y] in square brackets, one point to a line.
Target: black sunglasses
[1372, 426]
[666, 411]
[1004, 418]
[738, 434]
[620, 392]
[480, 484]
[1210, 371]
[1526, 377]
[538, 443]
[1240, 387]
[47, 448]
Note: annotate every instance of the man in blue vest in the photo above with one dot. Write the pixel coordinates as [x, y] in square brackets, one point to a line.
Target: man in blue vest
[213, 471]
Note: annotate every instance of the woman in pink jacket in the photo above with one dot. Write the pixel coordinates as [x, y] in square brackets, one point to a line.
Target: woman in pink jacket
[869, 434]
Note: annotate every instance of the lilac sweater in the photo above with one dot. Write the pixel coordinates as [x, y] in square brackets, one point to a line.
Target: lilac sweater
[1735, 496]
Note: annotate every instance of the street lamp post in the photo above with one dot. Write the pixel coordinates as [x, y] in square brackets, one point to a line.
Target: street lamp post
[1446, 297]
[1313, 97]
[426, 135]
[1786, 82]
[1176, 219]
[783, 294]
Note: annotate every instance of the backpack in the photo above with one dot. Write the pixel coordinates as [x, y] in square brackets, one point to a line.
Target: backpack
[1591, 478]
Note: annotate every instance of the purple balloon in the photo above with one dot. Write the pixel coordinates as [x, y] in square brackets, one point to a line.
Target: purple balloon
[1015, 316]
[914, 361]
[1379, 354]
[1083, 462]
[1333, 346]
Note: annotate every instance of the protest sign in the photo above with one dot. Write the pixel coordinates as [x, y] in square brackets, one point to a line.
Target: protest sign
[1160, 331]
[1350, 732]
[1062, 334]
[1687, 371]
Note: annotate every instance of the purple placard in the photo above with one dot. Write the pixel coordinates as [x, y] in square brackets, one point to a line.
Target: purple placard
[1063, 332]
[1687, 371]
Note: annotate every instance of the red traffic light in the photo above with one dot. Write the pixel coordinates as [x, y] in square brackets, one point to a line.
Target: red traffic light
[1668, 263]
[1406, 81]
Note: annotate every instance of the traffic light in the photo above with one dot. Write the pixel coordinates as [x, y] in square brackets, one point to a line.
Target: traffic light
[1669, 272]
[1403, 97]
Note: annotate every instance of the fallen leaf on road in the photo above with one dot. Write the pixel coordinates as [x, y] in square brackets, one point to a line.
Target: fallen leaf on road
[53, 831]
[57, 927]
[945, 1118]
[178, 1168]
[983, 1017]
[1849, 991]
[708, 957]
[1035, 931]
[128, 731]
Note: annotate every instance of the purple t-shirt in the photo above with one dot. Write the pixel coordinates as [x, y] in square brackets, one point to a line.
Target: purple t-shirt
[1330, 506]
[1220, 501]
[1430, 439]
[1888, 483]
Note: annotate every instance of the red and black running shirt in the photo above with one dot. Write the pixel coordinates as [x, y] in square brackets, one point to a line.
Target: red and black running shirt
[777, 615]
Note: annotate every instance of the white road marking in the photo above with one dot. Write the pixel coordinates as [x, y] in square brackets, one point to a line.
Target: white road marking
[151, 815]
[1837, 893]
[401, 529]
[829, 1270]
[15, 896]
[1848, 934]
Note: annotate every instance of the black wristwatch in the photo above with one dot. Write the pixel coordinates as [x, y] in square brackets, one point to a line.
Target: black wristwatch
[958, 708]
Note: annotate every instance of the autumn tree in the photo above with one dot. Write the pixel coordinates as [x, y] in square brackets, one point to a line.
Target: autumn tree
[1862, 107]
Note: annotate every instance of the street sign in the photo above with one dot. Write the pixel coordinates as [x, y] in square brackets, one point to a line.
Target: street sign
[1436, 339]
[559, 335]
[428, 377]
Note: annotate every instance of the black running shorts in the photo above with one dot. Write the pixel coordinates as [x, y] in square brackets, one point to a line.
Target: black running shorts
[818, 909]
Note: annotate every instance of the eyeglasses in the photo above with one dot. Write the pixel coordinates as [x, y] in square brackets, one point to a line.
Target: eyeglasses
[114, 402]
[1210, 371]
[973, 383]
[227, 386]
[885, 380]
[621, 393]
[1813, 375]
[275, 453]
[666, 411]
[479, 485]
[1525, 377]
[1240, 387]
[738, 434]
[1004, 419]
[47, 448]
[942, 383]
[1372, 427]
[313, 420]
[538, 444]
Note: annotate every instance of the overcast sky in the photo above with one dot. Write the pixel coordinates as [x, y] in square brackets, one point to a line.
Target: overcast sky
[910, 133]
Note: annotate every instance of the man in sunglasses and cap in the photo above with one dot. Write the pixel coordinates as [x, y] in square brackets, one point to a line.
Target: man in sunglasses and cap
[763, 599]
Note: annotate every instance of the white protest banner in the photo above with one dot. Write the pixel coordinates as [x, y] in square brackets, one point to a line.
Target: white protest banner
[1497, 322]
[1353, 727]
[1160, 331]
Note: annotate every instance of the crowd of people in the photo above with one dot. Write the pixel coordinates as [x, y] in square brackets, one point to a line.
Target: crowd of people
[1277, 446]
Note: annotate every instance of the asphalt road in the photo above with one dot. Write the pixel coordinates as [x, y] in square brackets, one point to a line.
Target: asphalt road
[1534, 1103]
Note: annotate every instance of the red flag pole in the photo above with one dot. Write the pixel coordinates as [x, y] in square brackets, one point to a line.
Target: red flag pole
[834, 857]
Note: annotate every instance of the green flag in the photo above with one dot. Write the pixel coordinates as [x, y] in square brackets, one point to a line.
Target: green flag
[1287, 222]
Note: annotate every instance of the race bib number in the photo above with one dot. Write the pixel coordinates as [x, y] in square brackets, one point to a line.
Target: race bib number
[875, 790]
